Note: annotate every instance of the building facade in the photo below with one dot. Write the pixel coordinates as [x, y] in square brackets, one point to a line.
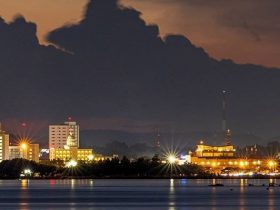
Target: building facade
[71, 153]
[25, 151]
[222, 159]
[4, 145]
[208, 151]
[64, 143]
[64, 134]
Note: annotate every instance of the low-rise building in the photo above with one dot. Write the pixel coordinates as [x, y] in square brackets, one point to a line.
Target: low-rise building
[207, 151]
[71, 153]
[24, 150]
[220, 158]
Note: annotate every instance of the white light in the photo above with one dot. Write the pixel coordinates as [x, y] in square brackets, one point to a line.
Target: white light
[90, 157]
[171, 159]
[71, 163]
[27, 172]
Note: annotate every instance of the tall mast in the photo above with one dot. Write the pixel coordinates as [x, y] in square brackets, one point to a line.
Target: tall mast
[224, 104]
[226, 131]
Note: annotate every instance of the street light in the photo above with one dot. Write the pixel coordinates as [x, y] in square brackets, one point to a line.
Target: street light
[272, 164]
[71, 164]
[27, 172]
[23, 145]
[171, 159]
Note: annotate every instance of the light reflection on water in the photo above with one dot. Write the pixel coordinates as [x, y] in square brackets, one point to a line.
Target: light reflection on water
[169, 194]
[171, 202]
[243, 184]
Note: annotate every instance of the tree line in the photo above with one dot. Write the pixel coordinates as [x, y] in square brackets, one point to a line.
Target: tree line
[114, 168]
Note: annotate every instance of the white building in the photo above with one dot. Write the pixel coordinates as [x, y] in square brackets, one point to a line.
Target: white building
[4, 145]
[64, 134]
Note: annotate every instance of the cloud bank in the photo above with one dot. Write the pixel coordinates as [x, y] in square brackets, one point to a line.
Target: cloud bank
[119, 67]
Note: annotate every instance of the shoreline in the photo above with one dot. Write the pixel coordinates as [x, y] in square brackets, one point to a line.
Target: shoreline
[140, 178]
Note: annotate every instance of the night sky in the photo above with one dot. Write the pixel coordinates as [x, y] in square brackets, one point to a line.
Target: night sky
[161, 65]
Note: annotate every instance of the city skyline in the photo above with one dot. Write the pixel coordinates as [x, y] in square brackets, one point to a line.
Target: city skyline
[139, 104]
[114, 71]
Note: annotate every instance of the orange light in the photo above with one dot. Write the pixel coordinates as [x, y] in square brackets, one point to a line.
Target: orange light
[271, 163]
[23, 145]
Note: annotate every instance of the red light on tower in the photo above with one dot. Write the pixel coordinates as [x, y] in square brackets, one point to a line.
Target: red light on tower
[69, 118]
[23, 124]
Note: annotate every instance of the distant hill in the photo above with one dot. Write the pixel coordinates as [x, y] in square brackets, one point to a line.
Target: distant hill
[187, 139]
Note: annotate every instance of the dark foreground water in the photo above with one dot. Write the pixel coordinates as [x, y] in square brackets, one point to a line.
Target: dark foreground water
[138, 194]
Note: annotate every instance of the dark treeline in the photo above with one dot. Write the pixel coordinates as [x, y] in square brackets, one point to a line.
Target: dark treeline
[13, 168]
[115, 168]
[140, 168]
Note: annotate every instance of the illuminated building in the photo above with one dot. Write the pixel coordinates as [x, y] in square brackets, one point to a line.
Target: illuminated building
[223, 159]
[208, 151]
[65, 134]
[71, 153]
[25, 151]
[227, 162]
[99, 157]
[64, 143]
[4, 145]
[220, 158]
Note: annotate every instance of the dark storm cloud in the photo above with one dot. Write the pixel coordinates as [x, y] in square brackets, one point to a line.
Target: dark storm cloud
[120, 68]
[225, 28]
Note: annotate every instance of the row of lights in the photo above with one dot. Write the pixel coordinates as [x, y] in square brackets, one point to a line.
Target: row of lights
[271, 163]
[73, 163]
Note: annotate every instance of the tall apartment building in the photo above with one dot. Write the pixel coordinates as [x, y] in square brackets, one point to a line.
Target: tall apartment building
[64, 134]
[64, 143]
[4, 145]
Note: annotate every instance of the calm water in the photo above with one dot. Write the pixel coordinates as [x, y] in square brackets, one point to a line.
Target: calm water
[137, 194]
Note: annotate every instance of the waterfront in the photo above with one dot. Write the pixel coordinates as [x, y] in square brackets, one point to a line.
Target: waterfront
[139, 194]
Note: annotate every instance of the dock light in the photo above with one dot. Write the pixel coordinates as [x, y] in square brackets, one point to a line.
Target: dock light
[27, 172]
[171, 159]
[71, 164]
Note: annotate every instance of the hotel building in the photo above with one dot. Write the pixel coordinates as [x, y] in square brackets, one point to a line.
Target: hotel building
[218, 158]
[64, 134]
[64, 143]
[71, 153]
